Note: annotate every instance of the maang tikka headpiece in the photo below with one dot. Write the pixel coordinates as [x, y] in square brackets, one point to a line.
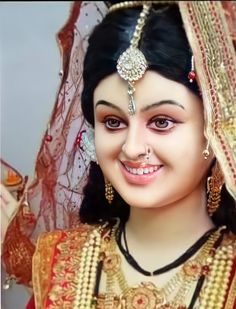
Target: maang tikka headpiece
[132, 64]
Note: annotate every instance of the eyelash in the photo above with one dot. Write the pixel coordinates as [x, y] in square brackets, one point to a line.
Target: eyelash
[110, 126]
[163, 119]
[116, 127]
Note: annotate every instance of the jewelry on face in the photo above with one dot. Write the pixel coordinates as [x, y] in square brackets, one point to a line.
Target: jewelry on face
[146, 154]
[132, 63]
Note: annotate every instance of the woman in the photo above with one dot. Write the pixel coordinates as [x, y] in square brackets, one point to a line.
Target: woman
[164, 250]
[158, 217]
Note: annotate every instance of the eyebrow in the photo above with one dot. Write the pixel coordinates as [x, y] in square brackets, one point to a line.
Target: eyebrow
[102, 102]
[146, 108]
[163, 102]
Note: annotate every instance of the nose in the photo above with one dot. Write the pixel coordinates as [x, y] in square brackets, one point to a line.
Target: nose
[135, 143]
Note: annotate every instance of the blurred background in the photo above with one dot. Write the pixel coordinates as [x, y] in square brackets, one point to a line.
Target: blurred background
[30, 63]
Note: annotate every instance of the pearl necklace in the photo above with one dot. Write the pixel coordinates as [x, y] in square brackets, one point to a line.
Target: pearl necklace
[215, 265]
[87, 270]
[213, 295]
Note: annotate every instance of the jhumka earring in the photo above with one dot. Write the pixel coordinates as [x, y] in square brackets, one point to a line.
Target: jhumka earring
[132, 64]
[214, 186]
[109, 192]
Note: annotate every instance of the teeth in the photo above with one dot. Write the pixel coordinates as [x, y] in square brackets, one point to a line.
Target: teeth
[141, 171]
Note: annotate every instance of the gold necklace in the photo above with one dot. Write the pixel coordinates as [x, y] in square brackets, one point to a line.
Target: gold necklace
[214, 292]
[147, 295]
[216, 266]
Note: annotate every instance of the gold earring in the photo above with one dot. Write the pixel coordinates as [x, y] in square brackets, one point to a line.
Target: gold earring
[109, 192]
[214, 186]
[206, 152]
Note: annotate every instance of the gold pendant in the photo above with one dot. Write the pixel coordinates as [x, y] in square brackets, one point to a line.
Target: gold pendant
[112, 263]
[145, 296]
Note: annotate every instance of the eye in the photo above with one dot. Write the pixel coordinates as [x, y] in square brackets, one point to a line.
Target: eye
[162, 124]
[112, 123]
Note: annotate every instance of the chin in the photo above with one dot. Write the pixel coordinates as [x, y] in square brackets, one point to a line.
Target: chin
[141, 202]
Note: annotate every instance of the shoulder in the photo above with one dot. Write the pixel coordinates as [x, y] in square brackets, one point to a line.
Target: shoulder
[49, 240]
[227, 249]
[57, 256]
[229, 241]
[80, 231]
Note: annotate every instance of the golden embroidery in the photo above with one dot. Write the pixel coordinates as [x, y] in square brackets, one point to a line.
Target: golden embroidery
[207, 30]
[231, 297]
[56, 265]
[56, 270]
[42, 263]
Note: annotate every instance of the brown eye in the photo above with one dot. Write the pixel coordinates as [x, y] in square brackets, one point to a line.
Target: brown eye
[162, 124]
[114, 123]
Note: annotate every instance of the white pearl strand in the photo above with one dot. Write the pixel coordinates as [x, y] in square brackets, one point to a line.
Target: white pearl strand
[87, 271]
[213, 295]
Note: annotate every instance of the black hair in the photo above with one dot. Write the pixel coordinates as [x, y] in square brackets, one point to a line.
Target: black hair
[163, 43]
[167, 51]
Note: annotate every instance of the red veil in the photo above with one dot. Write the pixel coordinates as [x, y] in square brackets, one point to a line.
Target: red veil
[52, 199]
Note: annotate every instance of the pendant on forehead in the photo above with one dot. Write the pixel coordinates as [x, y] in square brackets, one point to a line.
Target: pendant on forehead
[132, 64]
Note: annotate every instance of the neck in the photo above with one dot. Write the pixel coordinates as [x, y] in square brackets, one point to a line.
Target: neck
[174, 225]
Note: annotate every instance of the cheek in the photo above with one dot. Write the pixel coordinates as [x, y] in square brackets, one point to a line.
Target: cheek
[193, 143]
[107, 145]
[189, 158]
[184, 145]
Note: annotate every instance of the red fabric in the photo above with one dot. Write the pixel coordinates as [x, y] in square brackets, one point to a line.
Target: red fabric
[31, 304]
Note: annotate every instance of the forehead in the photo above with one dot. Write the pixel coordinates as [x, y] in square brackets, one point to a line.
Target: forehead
[150, 89]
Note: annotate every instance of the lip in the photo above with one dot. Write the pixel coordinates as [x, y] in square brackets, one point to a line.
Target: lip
[139, 179]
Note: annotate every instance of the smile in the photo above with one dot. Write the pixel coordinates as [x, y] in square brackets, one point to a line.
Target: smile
[141, 170]
[139, 173]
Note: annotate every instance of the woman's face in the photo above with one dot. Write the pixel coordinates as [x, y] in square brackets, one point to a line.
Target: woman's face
[168, 121]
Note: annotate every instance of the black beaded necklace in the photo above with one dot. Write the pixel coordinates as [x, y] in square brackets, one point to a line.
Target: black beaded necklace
[180, 260]
[196, 246]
